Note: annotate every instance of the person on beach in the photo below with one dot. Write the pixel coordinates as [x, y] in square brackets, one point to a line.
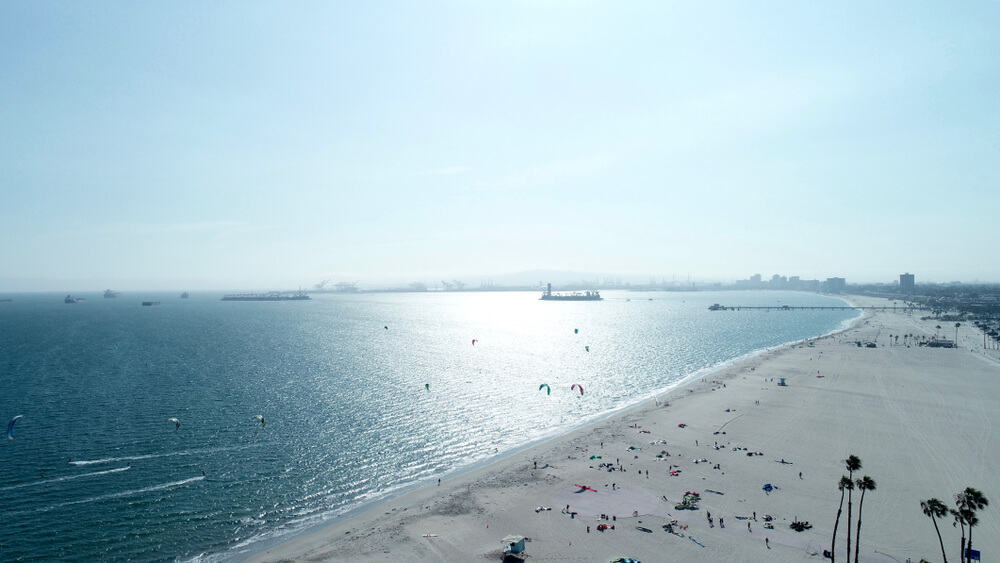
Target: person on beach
[800, 474]
[722, 523]
[767, 543]
[748, 528]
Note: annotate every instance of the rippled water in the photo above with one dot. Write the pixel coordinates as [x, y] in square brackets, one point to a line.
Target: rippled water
[97, 472]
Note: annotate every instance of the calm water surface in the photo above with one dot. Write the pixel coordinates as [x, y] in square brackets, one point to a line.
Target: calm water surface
[96, 471]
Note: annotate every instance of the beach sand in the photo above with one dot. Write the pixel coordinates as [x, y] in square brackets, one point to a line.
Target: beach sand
[921, 420]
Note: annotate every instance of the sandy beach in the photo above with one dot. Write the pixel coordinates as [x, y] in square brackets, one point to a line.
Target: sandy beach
[921, 420]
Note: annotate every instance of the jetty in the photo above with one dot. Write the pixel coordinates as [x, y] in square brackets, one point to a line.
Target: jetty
[898, 308]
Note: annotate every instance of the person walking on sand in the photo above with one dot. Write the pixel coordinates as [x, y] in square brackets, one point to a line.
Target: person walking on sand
[800, 474]
[722, 523]
[749, 531]
[767, 543]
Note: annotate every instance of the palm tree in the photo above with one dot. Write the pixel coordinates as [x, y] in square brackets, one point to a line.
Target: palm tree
[853, 463]
[865, 483]
[844, 484]
[971, 520]
[973, 500]
[933, 508]
[960, 515]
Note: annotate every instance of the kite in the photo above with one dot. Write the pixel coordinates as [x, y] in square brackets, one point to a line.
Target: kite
[10, 426]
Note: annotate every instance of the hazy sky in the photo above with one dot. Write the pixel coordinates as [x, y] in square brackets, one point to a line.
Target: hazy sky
[255, 145]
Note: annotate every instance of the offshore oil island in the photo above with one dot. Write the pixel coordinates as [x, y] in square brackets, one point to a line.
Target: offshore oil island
[547, 295]
[269, 296]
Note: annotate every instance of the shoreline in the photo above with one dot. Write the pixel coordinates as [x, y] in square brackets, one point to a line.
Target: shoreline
[265, 550]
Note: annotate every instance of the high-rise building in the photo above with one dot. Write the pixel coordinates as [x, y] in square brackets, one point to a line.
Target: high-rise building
[906, 284]
[836, 285]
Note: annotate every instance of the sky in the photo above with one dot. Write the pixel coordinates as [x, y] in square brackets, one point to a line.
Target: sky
[255, 145]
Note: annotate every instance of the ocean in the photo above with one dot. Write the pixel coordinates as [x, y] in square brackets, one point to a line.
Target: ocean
[362, 396]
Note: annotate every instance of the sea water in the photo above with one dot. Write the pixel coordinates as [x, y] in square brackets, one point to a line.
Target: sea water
[362, 395]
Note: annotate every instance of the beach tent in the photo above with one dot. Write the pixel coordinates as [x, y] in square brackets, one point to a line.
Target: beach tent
[781, 382]
[513, 544]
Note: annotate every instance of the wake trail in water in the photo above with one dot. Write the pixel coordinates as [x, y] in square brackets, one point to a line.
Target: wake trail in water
[166, 454]
[67, 478]
[110, 496]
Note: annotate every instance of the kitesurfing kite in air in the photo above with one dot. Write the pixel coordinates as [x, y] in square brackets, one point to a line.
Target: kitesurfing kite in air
[10, 426]
[427, 386]
[474, 340]
[576, 386]
[548, 390]
[177, 423]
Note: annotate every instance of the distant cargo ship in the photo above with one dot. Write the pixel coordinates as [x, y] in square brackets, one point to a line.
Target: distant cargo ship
[70, 299]
[109, 294]
[547, 295]
[184, 295]
[150, 303]
[270, 296]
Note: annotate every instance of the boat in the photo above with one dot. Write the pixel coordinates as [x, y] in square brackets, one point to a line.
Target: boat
[269, 296]
[716, 307]
[70, 299]
[184, 295]
[109, 294]
[591, 295]
[150, 303]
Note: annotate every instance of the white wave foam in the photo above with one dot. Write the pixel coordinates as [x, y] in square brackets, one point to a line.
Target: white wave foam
[66, 478]
[110, 496]
[165, 454]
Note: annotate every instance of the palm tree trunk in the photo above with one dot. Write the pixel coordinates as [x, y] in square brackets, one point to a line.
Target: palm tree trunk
[857, 539]
[849, 526]
[833, 542]
[968, 546]
[940, 542]
[962, 558]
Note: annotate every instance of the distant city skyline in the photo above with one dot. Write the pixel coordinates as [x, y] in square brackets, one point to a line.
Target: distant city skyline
[256, 145]
[527, 279]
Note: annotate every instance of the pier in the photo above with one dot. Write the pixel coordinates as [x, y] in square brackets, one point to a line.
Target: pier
[904, 309]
